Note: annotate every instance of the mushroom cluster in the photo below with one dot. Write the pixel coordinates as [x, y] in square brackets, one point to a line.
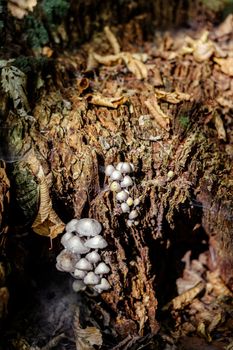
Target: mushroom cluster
[80, 257]
[120, 183]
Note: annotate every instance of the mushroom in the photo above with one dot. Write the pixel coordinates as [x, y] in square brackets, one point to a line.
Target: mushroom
[75, 245]
[66, 261]
[122, 196]
[88, 227]
[104, 285]
[127, 181]
[91, 278]
[93, 257]
[66, 237]
[116, 175]
[79, 274]
[126, 168]
[71, 226]
[119, 165]
[97, 242]
[125, 208]
[133, 214]
[130, 201]
[109, 170]
[84, 264]
[78, 286]
[102, 269]
[115, 187]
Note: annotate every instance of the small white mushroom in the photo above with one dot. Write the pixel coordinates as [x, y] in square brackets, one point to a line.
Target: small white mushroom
[79, 274]
[104, 285]
[102, 269]
[78, 286]
[88, 227]
[75, 245]
[126, 168]
[133, 214]
[65, 238]
[93, 257]
[115, 187]
[71, 226]
[125, 208]
[116, 175]
[119, 165]
[66, 261]
[109, 170]
[127, 181]
[84, 264]
[97, 242]
[122, 196]
[130, 201]
[136, 202]
[130, 223]
[91, 278]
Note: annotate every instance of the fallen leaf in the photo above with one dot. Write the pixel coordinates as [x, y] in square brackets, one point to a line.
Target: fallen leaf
[20, 8]
[220, 127]
[134, 65]
[112, 40]
[172, 97]
[112, 102]
[160, 117]
[225, 28]
[226, 65]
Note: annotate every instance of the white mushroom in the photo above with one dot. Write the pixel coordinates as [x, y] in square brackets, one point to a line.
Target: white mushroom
[130, 223]
[78, 286]
[65, 238]
[104, 285]
[66, 261]
[109, 170]
[71, 226]
[136, 202]
[102, 269]
[127, 181]
[97, 242]
[93, 257]
[91, 278]
[79, 274]
[125, 208]
[133, 214]
[126, 168]
[88, 227]
[119, 165]
[115, 187]
[122, 196]
[84, 264]
[116, 175]
[130, 201]
[75, 245]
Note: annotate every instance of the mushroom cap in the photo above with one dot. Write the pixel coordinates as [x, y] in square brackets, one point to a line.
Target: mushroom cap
[66, 237]
[84, 264]
[102, 268]
[125, 208]
[91, 278]
[116, 175]
[104, 285]
[122, 196]
[79, 274]
[78, 286]
[126, 168]
[71, 226]
[115, 186]
[88, 227]
[66, 261]
[93, 257]
[75, 245]
[97, 242]
[133, 214]
[109, 170]
[127, 181]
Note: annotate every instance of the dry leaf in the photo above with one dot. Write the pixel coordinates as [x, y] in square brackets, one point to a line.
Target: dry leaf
[225, 28]
[220, 127]
[202, 48]
[184, 299]
[135, 66]
[47, 222]
[160, 117]
[107, 60]
[112, 40]
[172, 97]
[226, 65]
[112, 102]
[20, 8]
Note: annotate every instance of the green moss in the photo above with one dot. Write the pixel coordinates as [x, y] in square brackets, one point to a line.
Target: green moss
[55, 10]
[37, 34]
[184, 121]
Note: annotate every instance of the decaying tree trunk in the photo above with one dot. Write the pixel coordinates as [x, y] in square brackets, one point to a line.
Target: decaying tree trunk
[165, 112]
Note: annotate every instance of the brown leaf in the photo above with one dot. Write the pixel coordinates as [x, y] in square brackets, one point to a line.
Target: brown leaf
[172, 97]
[226, 27]
[112, 40]
[226, 65]
[160, 117]
[134, 65]
[112, 102]
[20, 8]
